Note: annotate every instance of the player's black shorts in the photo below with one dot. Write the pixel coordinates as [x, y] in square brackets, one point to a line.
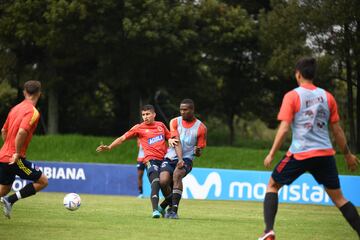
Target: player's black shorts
[23, 168]
[170, 165]
[140, 166]
[323, 169]
[153, 166]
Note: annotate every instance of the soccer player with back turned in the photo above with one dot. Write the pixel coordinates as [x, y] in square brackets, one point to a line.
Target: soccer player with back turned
[310, 112]
[17, 132]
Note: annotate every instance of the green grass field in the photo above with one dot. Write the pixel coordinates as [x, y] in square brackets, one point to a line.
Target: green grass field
[118, 217]
[113, 217]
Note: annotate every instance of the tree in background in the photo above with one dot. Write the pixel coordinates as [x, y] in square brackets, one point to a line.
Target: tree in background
[333, 29]
[231, 58]
[100, 60]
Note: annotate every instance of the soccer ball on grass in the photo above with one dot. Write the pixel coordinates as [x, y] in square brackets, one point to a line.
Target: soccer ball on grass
[72, 201]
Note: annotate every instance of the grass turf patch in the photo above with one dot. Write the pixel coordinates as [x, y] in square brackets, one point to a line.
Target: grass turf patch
[114, 217]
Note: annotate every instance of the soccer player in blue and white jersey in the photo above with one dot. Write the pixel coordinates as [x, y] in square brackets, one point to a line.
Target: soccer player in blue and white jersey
[192, 135]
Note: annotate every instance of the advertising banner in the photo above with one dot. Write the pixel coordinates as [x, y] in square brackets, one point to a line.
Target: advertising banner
[114, 179]
[221, 184]
[201, 183]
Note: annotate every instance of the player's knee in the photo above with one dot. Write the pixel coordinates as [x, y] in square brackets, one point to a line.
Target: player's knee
[4, 190]
[273, 186]
[43, 181]
[163, 182]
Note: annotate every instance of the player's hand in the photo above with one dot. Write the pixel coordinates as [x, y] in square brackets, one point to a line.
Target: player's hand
[267, 161]
[15, 158]
[197, 151]
[352, 162]
[102, 148]
[173, 142]
[180, 164]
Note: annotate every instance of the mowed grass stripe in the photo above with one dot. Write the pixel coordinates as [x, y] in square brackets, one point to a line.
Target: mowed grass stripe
[116, 217]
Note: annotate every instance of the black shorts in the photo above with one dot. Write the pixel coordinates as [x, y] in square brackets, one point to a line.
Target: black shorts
[323, 169]
[170, 165]
[23, 168]
[153, 166]
[140, 166]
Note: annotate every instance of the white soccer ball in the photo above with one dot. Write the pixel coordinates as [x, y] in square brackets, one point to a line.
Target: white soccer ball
[72, 201]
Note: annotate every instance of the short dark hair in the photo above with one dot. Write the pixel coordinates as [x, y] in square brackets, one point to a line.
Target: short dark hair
[189, 102]
[32, 87]
[307, 67]
[148, 107]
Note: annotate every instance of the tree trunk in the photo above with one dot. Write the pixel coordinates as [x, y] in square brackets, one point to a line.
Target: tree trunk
[53, 112]
[358, 106]
[350, 96]
[357, 66]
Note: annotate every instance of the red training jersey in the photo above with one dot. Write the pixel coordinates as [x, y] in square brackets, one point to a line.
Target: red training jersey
[152, 138]
[24, 115]
[291, 105]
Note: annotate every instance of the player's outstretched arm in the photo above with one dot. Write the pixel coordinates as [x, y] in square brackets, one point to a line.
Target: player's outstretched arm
[115, 143]
[279, 139]
[351, 160]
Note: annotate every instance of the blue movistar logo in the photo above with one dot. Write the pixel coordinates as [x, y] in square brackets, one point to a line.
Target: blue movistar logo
[156, 139]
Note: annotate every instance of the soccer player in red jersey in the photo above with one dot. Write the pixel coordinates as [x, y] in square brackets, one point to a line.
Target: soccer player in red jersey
[191, 133]
[310, 112]
[17, 132]
[152, 136]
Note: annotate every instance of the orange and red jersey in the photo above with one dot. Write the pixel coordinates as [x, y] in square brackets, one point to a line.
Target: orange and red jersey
[291, 105]
[152, 138]
[24, 115]
[201, 134]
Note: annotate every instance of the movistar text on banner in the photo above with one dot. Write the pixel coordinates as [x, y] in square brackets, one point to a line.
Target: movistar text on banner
[220, 184]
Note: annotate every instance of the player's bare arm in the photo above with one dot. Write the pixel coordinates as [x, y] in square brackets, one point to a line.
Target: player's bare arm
[201, 145]
[115, 143]
[279, 139]
[179, 153]
[19, 143]
[351, 160]
[3, 134]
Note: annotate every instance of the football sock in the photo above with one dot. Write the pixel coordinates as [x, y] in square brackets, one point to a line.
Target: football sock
[140, 188]
[270, 209]
[25, 192]
[176, 199]
[155, 187]
[167, 201]
[351, 215]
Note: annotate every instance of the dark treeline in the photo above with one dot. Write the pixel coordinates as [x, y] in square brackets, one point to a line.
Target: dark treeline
[100, 60]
